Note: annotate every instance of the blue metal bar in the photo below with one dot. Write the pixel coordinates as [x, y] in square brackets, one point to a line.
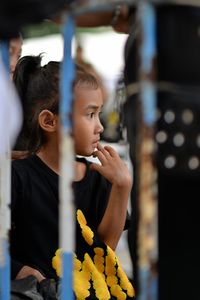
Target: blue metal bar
[67, 75]
[67, 277]
[4, 198]
[4, 47]
[4, 270]
[148, 280]
[67, 234]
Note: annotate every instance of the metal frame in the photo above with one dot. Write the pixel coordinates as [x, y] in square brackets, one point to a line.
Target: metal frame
[5, 182]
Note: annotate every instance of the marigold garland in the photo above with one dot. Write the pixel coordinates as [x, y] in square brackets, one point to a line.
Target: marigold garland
[117, 292]
[105, 271]
[124, 282]
[81, 283]
[110, 262]
[99, 284]
[99, 260]
[56, 262]
[87, 233]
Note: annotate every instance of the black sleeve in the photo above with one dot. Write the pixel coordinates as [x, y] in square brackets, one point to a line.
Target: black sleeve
[16, 194]
[15, 268]
[15, 187]
[102, 197]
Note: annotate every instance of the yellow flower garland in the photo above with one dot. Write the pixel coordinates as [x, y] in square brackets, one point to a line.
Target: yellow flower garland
[86, 231]
[108, 278]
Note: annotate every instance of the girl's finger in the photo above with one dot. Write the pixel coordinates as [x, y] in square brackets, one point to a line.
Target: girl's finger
[94, 154]
[103, 150]
[100, 155]
[110, 150]
[95, 167]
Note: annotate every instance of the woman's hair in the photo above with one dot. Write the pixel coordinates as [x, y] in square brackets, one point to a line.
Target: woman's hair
[38, 89]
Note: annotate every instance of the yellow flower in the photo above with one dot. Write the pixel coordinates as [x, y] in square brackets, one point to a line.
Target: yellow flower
[99, 259]
[103, 269]
[81, 284]
[110, 262]
[87, 234]
[99, 263]
[77, 264]
[81, 218]
[99, 284]
[124, 282]
[86, 231]
[56, 262]
[111, 280]
[117, 292]
[99, 251]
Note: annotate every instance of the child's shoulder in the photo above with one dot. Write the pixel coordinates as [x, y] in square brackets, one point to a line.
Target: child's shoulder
[22, 162]
[25, 166]
[21, 171]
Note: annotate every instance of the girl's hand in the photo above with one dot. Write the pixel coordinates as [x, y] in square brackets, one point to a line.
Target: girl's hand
[27, 271]
[19, 154]
[112, 167]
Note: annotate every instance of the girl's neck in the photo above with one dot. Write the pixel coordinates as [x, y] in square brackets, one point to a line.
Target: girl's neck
[80, 170]
[50, 157]
[53, 164]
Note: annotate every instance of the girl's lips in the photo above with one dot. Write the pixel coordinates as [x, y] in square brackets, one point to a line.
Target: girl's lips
[95, 144]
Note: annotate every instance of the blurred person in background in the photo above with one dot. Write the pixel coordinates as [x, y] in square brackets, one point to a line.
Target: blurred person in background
[15, 49]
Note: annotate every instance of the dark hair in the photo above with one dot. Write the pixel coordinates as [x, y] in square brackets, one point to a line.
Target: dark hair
[38, 88]
[86, 79]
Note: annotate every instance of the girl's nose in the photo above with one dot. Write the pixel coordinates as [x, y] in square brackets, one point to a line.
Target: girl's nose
[100, 127]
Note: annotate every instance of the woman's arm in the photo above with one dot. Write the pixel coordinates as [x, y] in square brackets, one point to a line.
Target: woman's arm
[102, 18]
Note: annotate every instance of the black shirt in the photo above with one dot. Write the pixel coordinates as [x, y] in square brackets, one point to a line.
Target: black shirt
[34, 216]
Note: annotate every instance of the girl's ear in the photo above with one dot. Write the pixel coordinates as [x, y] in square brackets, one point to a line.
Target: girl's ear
[48, 121]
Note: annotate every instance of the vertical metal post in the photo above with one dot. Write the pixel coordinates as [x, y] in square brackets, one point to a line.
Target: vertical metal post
[67, 232]
[4, 193]
[147, 194]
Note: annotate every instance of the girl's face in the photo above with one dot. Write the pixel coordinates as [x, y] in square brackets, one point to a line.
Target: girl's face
[86, 123]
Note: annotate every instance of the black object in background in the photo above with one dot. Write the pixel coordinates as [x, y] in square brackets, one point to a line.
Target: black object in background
[16, 13]
[178, 33]
[178, 156]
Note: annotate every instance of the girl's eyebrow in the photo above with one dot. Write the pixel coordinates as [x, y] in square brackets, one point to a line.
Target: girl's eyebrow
[95, 107]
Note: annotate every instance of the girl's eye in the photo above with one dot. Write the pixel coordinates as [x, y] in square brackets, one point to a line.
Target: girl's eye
[91, 115]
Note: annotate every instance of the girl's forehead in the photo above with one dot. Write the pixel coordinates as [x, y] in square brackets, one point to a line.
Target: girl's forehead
[85, 97]
[86, 90]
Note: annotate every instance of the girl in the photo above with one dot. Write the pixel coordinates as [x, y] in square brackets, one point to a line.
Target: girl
[101, 191]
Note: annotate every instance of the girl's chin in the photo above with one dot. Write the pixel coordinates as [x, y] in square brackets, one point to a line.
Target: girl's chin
[88, 152]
